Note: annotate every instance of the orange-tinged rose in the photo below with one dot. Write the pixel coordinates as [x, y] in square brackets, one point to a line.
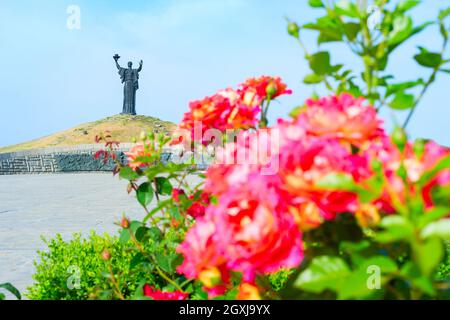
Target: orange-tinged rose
[210, 277]
[368, 215]
[343, 117]
[307, 216]
[265, 86]
[138, 151]
[248, 291]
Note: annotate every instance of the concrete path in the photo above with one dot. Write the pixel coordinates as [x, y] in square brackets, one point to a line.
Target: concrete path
[35, 205]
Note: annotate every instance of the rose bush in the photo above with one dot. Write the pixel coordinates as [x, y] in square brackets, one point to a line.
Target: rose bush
[342, 201]
[349, 210]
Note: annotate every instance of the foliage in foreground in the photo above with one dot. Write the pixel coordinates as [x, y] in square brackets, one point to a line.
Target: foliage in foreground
[11, 289]
[78, 269]
[82, 268]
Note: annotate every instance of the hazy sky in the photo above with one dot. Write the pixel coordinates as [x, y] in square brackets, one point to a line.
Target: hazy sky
[53, 78]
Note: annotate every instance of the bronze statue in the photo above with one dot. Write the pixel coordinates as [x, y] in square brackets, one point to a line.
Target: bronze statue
[129, 77]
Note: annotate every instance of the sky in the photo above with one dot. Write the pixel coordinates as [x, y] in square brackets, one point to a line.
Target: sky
[54, 77]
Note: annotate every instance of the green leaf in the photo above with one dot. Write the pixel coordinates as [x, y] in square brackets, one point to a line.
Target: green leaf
[428, 59]
[313, 79]
[382, 63]
[156, 234]
[329, 28]
[328, 37]
[372, 190]
[402, 86]
[138, 294]
[357, 251]
[296, 111]
[352, 247]
[128, 174]
[443, 31]
[355, 90]
[315, 3]
[175, 260]
[432, 215]
[347, 8]
[337, 67]
[429, 254]
[394, 221]
[141, 233]
[163, 186]
[175, 213]
[412, 272]
[325, 272]
[441, 195]
[386, 264]
[169, 263]
[396, 228]
[351, 30]
[125, 234]
[161, 205]
[427, 176]
[402, 101]
[135, 225]
[320, 63]
[444, 13]
[402, 29]
[439, 229]
[357, 285]
[163, 262]
[145, 194]
[406, 5]
[9, 287]
[414, 31]
[338, 181]
[137, 260]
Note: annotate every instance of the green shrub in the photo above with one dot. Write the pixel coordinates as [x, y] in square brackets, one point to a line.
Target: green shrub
[443, 272]
[279, 279]
[60, 267]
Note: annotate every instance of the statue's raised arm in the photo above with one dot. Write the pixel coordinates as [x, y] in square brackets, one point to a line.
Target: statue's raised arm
[140, 66]
[116, 59]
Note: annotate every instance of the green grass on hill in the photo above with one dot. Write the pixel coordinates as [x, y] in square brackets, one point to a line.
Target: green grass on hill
[123, 128]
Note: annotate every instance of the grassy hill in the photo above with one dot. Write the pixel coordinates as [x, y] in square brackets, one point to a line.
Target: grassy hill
[122, 127]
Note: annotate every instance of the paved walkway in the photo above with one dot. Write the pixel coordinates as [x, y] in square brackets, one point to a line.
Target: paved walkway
[35, 205]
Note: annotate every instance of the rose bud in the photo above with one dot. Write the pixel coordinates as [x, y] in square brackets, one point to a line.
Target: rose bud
[106, 255]
[143, 136]
[271, 90]
[293, 29]
[125, 223]
[399, 138]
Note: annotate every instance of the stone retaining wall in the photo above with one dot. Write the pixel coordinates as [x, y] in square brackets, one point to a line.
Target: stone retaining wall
[69, 159]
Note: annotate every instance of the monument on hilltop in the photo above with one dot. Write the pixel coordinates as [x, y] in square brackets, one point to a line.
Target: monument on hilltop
[130, 79]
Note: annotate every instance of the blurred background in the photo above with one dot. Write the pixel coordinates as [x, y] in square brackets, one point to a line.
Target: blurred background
[54, 77]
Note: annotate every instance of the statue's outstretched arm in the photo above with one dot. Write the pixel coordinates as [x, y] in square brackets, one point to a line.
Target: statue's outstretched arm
[140, 66]
[117, 65]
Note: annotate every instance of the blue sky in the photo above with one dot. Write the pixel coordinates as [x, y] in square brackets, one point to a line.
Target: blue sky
[54, 78]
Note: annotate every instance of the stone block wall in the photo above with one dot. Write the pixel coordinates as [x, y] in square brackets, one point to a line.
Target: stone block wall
[71, 159]
[28, 164]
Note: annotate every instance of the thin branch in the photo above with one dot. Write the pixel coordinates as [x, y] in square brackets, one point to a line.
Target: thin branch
[426, 86]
